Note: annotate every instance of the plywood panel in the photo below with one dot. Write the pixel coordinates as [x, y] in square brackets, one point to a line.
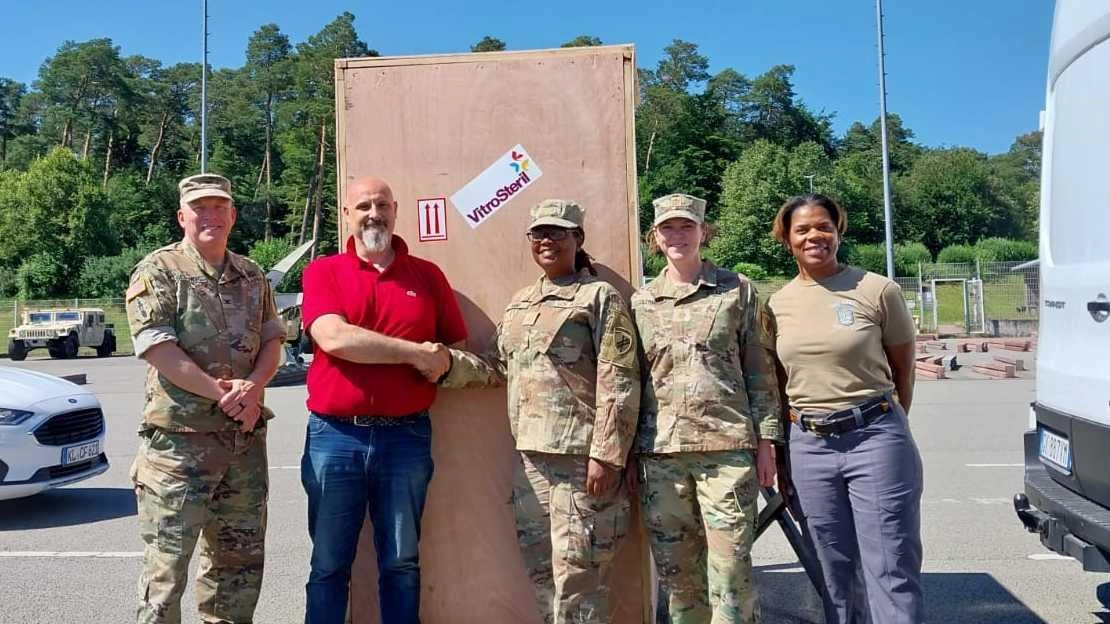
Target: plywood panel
[429, 125]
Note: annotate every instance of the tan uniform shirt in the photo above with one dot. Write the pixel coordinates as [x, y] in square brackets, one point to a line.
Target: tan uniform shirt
[567, 351]
[829, 336]
[709, 382]
[219, 320]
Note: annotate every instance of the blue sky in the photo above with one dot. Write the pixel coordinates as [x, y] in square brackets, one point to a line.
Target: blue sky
[959, 72]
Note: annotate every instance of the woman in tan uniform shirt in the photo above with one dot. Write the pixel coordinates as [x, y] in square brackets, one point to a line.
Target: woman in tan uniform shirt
[845, 340]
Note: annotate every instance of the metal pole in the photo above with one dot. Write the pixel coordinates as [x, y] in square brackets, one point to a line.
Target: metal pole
[204, 97]
[887, 216]
[810, 178]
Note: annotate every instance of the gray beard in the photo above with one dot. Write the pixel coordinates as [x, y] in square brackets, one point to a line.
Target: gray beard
[376, 239]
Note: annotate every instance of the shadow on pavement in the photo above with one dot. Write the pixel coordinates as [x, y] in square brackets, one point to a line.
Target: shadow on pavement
[787, 597]
[66, 507]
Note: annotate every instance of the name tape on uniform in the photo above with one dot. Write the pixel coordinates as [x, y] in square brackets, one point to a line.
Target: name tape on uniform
[496, 186]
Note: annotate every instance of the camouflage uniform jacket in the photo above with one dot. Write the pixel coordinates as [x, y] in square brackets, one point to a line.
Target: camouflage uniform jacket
[568, 352]
[221, 322]
[709, 383]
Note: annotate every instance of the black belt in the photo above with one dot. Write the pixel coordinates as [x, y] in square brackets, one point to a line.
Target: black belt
[842, 421]
[376, 421]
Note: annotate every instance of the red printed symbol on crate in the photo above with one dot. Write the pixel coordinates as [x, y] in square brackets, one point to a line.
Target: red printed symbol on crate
[431, 215]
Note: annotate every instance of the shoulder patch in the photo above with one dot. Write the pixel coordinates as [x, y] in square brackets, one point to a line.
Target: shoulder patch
[136, 288]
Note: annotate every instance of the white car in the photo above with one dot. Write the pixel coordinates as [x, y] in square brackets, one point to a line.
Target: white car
[51, 433]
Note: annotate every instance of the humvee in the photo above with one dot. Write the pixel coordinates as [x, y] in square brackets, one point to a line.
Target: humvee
[62, 332]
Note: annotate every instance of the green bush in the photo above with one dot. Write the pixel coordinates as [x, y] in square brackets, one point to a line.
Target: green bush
[107, 276]
[653, 263]
[9, 286]
[908, 257]
[267, 253]
[963, 254]
[752, 271]
[869, 257]
[40, 276]
[1005, 250]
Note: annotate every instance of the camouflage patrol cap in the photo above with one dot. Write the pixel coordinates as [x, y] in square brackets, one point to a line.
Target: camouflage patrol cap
[679, 205]
[564, 213]
[204, 185]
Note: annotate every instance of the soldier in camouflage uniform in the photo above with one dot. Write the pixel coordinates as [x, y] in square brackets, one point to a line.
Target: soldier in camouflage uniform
[709, 418]
[566, 348]
[204, 320]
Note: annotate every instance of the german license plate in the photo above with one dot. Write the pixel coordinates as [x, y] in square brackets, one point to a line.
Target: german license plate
[1056, 450]
[81, 452]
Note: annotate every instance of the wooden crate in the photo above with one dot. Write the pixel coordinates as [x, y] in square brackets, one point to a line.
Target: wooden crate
[429, 125]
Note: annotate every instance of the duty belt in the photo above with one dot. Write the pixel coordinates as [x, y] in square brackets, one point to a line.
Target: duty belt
[842, 421]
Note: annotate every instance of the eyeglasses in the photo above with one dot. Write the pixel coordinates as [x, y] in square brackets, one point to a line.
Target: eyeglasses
[552, 234]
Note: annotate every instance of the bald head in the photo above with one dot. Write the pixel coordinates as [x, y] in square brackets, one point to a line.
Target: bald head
[367, 185]
[370, 212]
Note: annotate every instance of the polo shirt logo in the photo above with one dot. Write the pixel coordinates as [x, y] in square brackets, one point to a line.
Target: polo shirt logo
[411, 293]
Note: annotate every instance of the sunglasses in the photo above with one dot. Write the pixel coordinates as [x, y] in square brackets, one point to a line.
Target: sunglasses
[553, 234]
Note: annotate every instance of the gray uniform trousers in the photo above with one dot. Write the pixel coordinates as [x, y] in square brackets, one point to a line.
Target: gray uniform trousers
[860, 495]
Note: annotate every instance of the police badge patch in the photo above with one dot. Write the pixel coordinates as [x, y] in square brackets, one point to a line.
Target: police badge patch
[845, 313]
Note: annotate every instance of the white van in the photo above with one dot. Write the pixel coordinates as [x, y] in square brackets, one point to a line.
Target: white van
[1067, 450]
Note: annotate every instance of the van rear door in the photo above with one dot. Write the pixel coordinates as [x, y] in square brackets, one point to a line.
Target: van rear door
[1073, 363]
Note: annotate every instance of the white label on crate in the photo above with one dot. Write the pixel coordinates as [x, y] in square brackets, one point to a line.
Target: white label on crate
[496, 186]
[431, 215]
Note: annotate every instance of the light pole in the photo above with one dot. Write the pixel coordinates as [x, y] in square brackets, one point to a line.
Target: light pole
[204, 95]
[887, 213]
[810, 178]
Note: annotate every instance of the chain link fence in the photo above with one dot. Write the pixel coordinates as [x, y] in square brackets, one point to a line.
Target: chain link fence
[12, 314]
[956, 298]
[964, 298]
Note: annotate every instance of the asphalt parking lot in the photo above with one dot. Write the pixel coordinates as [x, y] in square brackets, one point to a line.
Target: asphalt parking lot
[72, 555]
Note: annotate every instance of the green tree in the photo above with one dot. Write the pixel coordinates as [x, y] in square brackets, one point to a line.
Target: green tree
[107, 276]
[11, 95]
[57, 208]
[1017, 175]
[581, 41]
[753, 189]
[307, 121]
[268, 69]
[40, 276]
[84, 84]
[488, 44]
[948, 197]
[770, 110]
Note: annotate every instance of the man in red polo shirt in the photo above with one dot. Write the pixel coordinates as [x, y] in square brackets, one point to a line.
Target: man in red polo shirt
[378, 317]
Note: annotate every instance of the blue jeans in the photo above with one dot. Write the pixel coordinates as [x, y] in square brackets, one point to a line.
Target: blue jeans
[346, 470]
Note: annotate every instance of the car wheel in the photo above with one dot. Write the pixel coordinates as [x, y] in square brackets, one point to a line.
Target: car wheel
[107, 346]
[16, 350]
[70, 347]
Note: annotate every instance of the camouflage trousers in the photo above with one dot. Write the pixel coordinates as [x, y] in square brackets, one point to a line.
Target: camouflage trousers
[700, 512]
[209, 487]
[568, 538]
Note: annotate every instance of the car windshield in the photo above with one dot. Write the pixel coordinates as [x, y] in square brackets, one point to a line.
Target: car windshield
[68, 316]
[40, 317]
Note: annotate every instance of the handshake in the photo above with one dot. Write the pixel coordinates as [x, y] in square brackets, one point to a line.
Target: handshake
[432, 359]
[241, 400]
